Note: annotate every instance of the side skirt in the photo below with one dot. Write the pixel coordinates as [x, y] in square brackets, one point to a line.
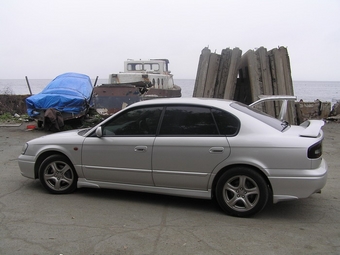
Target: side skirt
[203, 194]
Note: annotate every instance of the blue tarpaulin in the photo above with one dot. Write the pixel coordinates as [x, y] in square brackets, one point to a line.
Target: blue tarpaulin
[69, 93]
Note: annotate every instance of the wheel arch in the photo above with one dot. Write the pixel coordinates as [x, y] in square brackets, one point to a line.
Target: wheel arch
[44, 156]
[226, 168]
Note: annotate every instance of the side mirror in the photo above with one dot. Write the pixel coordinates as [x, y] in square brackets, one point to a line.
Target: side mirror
[99, 132]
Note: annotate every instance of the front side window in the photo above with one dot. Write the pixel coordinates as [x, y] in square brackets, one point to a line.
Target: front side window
[188, 120]
[140, 121]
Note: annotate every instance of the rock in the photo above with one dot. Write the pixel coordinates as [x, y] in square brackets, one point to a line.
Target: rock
[312, 110]
[336, 109]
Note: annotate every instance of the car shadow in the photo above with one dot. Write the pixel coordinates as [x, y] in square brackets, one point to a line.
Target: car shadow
[299, 210]
[203, 205]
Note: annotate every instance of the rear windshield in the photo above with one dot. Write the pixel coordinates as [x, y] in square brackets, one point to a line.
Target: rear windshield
[269, 120]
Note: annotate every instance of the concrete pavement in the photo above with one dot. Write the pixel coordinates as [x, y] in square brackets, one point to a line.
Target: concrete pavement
[92, 221]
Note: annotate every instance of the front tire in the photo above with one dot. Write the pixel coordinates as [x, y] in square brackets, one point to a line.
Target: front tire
[57, 175]
[242, 192]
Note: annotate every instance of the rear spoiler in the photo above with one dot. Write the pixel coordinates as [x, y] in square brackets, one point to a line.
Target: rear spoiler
[312, 128]
[283, 98]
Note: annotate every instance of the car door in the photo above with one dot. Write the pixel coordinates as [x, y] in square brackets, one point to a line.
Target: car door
[123, 153]
[189, 146]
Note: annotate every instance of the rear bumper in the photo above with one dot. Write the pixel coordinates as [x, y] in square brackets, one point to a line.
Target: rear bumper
[303, 185]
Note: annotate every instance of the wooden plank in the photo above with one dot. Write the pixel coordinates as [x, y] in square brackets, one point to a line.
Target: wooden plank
[243, 90]
[282, 82]
[277, 105]
[201, 75]
[223, 72]
[209, 87]
[292, 116]
[265, 78]
[260, 73]
[230, 86]
[233, 70]
[250, 69]
[254, 75]
[287, 73]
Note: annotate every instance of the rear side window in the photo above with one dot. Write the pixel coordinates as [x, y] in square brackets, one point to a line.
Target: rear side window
[188, 120]
[269, 120]
[227, 123]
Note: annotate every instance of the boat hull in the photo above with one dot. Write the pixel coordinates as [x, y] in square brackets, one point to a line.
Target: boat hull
[110, 98]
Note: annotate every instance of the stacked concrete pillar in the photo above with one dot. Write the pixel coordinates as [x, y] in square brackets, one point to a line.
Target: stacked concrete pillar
[244, 78]
[217, 74]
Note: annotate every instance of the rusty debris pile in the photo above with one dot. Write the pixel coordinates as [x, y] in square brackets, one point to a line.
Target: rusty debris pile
[313, 110]
[231, 75]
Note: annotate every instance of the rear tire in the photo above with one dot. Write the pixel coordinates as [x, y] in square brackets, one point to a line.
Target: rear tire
[57, 175]
[241, 192]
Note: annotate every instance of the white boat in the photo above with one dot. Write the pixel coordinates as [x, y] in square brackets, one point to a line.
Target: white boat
[141, 79]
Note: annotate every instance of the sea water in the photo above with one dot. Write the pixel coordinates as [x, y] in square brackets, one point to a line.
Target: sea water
[308, 91]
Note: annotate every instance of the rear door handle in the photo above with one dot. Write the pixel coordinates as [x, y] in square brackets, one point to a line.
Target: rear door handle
[216, 149]
[141, 148]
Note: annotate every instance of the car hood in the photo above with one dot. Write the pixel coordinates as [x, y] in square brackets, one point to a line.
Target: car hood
[65, 137]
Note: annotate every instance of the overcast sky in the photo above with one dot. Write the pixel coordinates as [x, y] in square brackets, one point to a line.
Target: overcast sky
[45, 38]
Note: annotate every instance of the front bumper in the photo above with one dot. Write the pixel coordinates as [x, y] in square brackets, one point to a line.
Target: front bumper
[303, 185]
[26, 165]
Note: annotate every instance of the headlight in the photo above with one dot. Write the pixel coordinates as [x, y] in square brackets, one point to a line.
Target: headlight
[24, 148]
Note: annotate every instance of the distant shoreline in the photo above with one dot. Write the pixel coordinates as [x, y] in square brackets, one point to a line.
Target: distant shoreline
[308, 91]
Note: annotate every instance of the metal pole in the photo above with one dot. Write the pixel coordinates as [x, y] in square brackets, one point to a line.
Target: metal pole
[28, 84]
[95, 83]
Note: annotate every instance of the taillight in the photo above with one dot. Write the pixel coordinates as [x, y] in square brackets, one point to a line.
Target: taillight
[315, 151]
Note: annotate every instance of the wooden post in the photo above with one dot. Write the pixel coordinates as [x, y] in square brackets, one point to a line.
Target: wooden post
[202, 71]
[282, 81]
[234, 65]
[250, 79]
[260, 73]
[223, 70]
[265, 78]
[210, 83]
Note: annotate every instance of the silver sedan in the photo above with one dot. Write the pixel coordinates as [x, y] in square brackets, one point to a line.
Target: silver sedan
[200, 148]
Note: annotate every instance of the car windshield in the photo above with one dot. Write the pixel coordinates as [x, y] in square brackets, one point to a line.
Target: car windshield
[269, 120]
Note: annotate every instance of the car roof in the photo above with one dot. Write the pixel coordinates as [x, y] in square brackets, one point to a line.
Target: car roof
[220, 103]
